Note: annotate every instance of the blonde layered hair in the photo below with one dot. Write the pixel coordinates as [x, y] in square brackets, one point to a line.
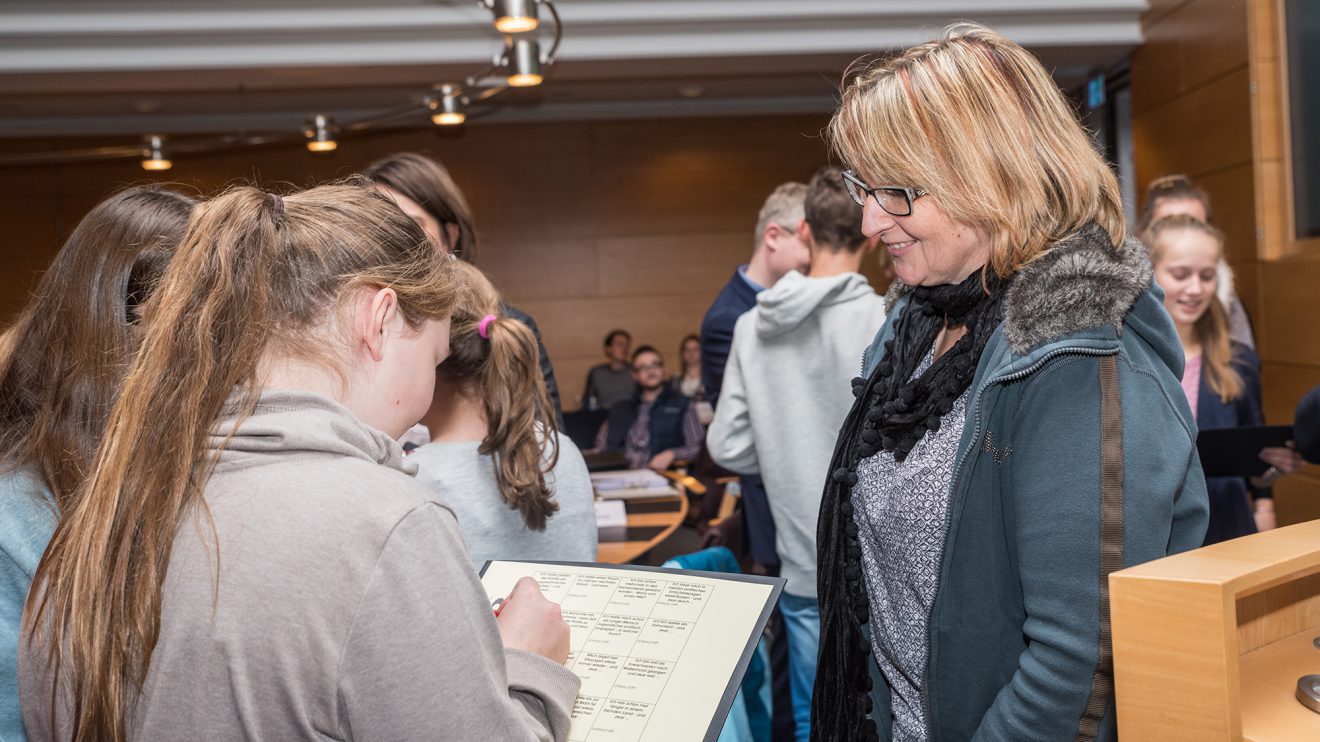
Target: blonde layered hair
[974, 120]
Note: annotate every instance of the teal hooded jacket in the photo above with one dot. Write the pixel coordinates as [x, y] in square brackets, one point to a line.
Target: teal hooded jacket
[1015, 630]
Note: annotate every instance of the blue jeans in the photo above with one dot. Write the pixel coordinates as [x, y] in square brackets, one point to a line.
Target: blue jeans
[802, 625]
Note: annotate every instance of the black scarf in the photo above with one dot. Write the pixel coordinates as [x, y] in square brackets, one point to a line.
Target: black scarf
[892, 412]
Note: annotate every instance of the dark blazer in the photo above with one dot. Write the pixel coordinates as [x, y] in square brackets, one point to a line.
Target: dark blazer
[666, 423]
[547, 371]
[735, 299]
[1306, 426]
[1230, 510]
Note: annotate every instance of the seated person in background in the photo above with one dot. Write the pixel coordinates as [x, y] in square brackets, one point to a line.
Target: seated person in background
[656, 426]
[1177, 194]
[519, 488]
[1221, 377]
[688, 380]
[610, 382]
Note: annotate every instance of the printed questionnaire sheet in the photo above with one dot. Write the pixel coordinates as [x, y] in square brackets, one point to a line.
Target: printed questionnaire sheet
[660, 652]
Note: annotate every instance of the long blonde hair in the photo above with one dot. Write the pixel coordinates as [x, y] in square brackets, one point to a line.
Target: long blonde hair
[503, 371]
[976, 121]
[255, 273]
[1212, 328]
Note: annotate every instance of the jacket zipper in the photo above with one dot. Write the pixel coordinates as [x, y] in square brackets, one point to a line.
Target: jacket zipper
[957, 477]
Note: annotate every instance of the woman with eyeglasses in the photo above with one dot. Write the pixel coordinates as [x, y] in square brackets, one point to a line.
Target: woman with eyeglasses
[1019, 431]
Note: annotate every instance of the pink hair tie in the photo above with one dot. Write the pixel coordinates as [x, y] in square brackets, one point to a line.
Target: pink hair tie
[485, 323]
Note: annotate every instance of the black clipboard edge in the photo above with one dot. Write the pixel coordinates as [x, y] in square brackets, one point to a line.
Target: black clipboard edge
[776, 585]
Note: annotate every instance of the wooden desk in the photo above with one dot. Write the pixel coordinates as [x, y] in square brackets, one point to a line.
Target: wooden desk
[1209, 644]
[654, 518]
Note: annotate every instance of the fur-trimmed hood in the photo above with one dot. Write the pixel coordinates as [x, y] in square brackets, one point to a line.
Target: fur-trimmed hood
[1081, 282]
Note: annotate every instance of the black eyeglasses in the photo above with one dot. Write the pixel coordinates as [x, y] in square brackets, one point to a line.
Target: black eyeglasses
[895, 200]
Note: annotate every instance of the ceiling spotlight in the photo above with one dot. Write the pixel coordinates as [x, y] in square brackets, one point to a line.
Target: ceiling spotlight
[155, 156]
[514, 16]
[320, 132]
[524, 64]
[447, 109]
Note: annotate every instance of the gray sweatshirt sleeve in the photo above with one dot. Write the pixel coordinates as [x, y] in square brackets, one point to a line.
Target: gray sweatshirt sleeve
[424, 660]
[730, 440]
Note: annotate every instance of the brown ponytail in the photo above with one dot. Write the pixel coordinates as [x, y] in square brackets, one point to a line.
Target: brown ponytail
[503, 371]
[255, 274]
[1212, 329]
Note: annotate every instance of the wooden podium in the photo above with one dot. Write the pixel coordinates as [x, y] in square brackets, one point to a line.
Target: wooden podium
[1209, 644]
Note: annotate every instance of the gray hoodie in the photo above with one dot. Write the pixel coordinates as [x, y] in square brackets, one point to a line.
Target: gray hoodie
[786, 391]
[346, 606]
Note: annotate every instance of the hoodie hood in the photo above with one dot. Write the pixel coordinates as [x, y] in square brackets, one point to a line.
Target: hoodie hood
[288, 421]
[782, 307]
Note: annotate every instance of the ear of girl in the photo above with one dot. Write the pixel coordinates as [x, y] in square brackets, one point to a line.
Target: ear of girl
[247, 535]
[392, 387]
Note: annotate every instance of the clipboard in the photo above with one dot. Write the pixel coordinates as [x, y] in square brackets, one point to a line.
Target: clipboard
[1235, 452]
[718, 617]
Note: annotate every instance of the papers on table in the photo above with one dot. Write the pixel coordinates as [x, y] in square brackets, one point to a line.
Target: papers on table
[660, 652]
[631, 483]
[611, 520]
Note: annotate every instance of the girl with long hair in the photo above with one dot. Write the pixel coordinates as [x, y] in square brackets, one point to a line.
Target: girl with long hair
[251, 558]
[64, 358]
[1177, 194]
[1221, 377]
[520, 489]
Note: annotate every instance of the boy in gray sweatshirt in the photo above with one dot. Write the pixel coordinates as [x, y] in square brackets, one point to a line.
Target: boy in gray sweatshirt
[786, 391]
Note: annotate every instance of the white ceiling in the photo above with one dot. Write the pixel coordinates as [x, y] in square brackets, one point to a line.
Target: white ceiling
[121, 67]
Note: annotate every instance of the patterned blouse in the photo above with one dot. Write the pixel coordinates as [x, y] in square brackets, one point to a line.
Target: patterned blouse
[901, 523]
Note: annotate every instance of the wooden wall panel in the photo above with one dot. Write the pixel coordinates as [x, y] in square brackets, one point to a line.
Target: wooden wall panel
[587, 226]
[1202, 131]
[1212, 39]
[1297, 498]
[1233, 195]
[1288, 383]
[1289, 311]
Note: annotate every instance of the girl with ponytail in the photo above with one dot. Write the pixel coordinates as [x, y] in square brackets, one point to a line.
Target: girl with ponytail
[65, 356]
[250, 557]
[520, 489]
